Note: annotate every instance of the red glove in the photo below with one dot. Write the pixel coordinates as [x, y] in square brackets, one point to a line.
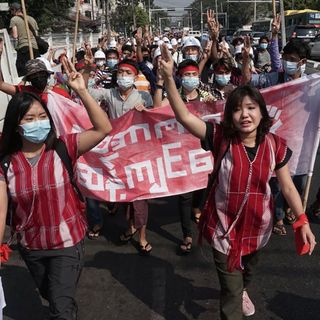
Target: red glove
[301, 247]
[4, 252]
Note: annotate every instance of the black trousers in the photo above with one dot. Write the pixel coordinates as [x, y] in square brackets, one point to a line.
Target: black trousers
[23, 56]
[56, 274]
[233, 283]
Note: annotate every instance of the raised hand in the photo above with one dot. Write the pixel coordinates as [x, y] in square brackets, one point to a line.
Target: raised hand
[88, 57]
[75, 79]
[166, 62]
[246, 48]
[213, 24]
[276, 22]
[138, 35]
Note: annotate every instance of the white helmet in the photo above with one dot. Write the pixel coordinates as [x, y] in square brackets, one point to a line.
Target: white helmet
[174, 42]
[99, 54]
[156, 53]
[191, 42]
[165, 39]
[112, 44]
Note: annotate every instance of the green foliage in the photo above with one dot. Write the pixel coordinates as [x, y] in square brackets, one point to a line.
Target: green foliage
[48, 13]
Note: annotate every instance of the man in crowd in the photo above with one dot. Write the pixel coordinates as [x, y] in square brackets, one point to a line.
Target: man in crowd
[19, 34]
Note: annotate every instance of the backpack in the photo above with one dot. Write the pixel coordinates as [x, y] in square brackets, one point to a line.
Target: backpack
[61, 149]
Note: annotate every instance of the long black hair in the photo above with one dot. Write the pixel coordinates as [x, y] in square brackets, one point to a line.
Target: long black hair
[234, 100]
[18, 106]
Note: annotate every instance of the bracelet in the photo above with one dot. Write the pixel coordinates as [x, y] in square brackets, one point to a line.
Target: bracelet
[159, 86]
[301, 220]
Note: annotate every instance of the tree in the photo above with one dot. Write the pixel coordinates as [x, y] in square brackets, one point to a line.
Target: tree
[49, 13]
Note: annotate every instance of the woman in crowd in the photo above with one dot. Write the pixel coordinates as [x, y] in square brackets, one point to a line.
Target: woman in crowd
[237, 217]
[48, 216]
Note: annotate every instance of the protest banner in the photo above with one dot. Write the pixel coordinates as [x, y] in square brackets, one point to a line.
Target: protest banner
[149, 154]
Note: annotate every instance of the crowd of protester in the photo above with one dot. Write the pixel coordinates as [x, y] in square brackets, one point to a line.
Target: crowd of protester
[150, 71]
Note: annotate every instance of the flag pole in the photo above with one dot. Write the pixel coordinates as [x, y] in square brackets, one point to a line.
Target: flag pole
[25, 18]
[274, 10]
[310, 170]
[76, 32]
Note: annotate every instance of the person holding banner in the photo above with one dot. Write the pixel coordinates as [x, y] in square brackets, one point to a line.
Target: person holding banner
[237, 216]
[47, 210]
[118, 101]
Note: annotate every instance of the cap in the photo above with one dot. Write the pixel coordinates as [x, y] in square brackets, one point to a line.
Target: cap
[99, 54]
[165, 39]
[112, 44]
[191, 42]
[169, 45]
[35, 65]
[15, 5]
[156, 53]
[174, 42]
[156, 39]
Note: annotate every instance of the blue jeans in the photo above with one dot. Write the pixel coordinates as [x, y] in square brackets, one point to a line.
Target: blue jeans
[280, 203]
[93, 212]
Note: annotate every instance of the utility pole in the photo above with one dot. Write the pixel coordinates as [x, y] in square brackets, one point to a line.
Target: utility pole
[107, 3]
[133, 15]
[254, 10]
[201, 19]
[92, 9]
[217, 11]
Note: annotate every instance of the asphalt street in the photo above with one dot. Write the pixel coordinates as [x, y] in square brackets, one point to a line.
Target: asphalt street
[117, 283]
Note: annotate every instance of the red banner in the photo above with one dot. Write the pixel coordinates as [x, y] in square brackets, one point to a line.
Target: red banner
[149, 154]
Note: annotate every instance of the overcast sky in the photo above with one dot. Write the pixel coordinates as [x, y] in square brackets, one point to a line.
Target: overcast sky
[172, 3]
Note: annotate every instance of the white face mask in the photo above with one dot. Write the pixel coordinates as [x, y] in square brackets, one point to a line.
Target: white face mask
[125, 82]
[100, 63]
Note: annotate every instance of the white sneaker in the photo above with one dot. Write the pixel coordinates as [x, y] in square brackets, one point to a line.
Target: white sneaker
[248, 308]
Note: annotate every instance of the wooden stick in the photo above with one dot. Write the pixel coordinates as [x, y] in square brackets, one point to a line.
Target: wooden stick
[306, 193]
[274, 10]
[76, 32]
[25, 17]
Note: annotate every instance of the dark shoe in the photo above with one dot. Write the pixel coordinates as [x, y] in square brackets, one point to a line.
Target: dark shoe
[185, 248]
[279, 229]
[145, 250]
[125, 237]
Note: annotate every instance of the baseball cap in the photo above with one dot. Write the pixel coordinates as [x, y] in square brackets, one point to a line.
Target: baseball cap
[34, 66]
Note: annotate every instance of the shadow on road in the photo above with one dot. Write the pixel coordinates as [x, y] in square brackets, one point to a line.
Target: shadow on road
[155, 282]
[22, 298]
[294, 307]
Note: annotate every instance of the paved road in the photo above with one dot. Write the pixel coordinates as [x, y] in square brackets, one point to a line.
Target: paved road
[119, 284]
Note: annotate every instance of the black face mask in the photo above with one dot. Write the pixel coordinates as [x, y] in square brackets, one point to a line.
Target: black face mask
[40, 82]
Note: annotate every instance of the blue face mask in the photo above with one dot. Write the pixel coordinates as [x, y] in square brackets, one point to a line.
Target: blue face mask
[193, 57]
[111, 63]
[222, 79]
[125, 82]
[91, 83]
[190, 83]
[263, 45]
[36, 131]
[290, 68]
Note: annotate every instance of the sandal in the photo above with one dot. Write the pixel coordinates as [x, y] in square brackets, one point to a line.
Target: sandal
[145, 250]
[125, 237]
[279, 229]
[315, 211]
[185, 248]
[290, 217]
[94, 233]
[196, 218]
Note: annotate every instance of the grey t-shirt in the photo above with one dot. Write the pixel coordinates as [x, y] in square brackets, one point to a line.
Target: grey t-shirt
[115, 105]
[18, 22]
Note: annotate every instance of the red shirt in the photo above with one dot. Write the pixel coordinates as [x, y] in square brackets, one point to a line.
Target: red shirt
[47, 213]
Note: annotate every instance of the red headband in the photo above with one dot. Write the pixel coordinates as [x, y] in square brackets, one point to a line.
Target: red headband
[131, 67]
[188, 68]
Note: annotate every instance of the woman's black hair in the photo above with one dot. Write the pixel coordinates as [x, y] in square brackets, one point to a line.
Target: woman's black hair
[234, 100]
[18, 106]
